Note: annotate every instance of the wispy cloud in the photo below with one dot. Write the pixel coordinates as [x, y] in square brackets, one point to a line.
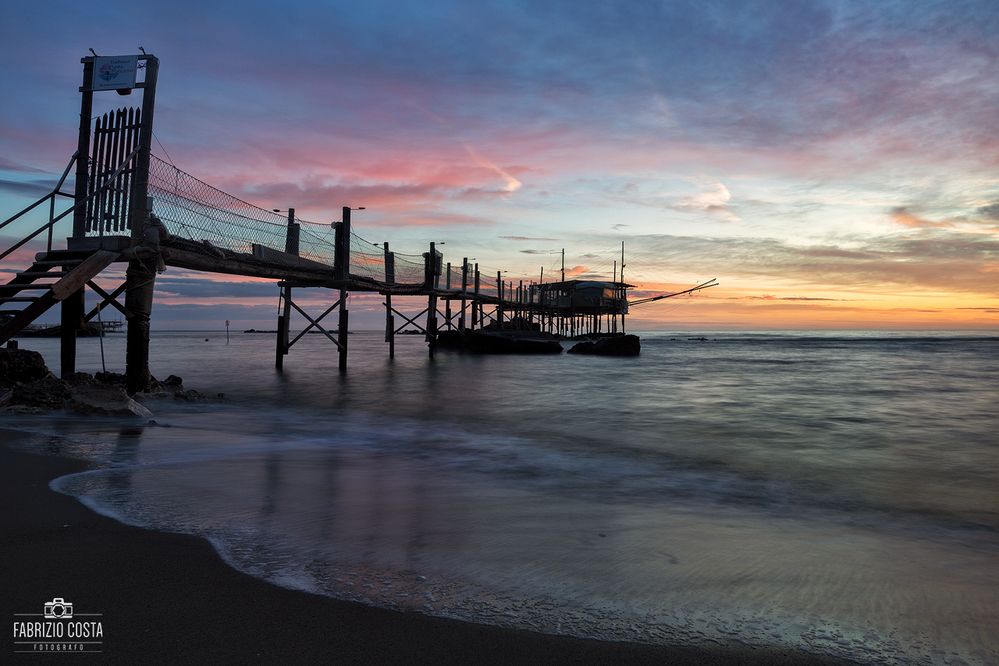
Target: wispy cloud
[907, 218]
[512, 184]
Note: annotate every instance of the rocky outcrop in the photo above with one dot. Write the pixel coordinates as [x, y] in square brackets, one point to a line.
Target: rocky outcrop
[28, 387]
[618, 345]
[451, 340]
[500, 343]
[21, 365]
[104, 400]
[45, 393]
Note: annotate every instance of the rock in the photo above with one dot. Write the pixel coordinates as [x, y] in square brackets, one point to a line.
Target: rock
[47, 393]
[21, 365]
[80, 378]
[451, 340]
[23, 409]
[618, 345]
[115, 378]
[173, 381]
[105, 401]
[496, 343]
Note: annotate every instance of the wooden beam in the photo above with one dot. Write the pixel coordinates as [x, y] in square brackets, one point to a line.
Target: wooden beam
[252, 268]
[79, 276]
[271, 256]
[108, 299]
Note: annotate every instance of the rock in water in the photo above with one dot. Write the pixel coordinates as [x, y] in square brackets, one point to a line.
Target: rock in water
[498, 343]
[618, 345]
[451, 340]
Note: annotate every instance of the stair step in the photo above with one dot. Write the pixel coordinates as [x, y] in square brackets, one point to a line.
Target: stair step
[18, 299]
[53, 254]
[38, 274]
[74, 261]
[21, 287]
[10, 312]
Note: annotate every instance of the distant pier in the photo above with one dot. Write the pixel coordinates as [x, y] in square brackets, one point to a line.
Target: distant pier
[130, 206]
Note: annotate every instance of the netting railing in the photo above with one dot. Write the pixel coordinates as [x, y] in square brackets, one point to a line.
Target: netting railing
[409, 268]
[199, 212]
[195, 210]
[367, 259]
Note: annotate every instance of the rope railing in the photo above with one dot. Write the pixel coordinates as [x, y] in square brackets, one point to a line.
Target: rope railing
[199, 212]
[195, 210]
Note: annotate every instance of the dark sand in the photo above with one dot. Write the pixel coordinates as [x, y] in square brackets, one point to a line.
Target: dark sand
[169, 597]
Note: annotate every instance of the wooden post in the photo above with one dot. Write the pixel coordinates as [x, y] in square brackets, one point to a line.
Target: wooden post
[83, 149]
[520, 299]
[140, 277]
[291, 246]
[476, 303]
[431, 277]
[464, 293]
[343, 330]
[71, 317]
[291, 241]
[138, 203]
[389, 318]
[499, 300]
[140, 281]
[447, 301]
[279, 338]
[344, 257]
[284, 325]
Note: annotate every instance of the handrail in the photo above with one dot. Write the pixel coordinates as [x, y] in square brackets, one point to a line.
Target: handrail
[51, 194]
[58, 187]
[53, 220]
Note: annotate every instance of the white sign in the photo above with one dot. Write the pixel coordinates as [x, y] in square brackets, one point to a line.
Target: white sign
[115, 72]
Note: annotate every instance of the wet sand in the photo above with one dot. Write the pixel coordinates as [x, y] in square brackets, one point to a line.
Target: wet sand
[170, 596]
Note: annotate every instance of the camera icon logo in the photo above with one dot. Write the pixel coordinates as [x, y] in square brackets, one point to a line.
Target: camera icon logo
[58, 609]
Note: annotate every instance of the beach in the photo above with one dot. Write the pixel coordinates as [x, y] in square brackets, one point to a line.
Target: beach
[169, 597]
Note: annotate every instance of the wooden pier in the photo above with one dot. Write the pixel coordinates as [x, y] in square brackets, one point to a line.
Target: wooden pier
[129, 206]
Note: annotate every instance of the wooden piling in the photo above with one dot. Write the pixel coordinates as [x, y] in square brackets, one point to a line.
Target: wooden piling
[140, 277]
[83, 148]
[140, 282]
[432, 277]
[499, 300]
[464, 293]
[389, 318]
[447, 301]
[343, 255]
[477, 304]
[291, 246]
[71, 317]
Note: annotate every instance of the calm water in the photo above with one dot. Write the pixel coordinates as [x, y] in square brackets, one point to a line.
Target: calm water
[835, 492]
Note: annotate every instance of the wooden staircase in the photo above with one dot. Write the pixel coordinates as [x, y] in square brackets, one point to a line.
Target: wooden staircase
[53, 277]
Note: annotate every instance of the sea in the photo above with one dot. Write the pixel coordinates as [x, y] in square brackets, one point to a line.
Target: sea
[834, 492]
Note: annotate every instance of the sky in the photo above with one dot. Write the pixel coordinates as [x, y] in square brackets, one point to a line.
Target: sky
[832, 164]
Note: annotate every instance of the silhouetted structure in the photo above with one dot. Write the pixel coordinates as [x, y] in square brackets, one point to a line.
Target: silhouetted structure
[131, 206]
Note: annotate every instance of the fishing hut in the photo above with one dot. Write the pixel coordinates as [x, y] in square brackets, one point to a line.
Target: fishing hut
[580, 307]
